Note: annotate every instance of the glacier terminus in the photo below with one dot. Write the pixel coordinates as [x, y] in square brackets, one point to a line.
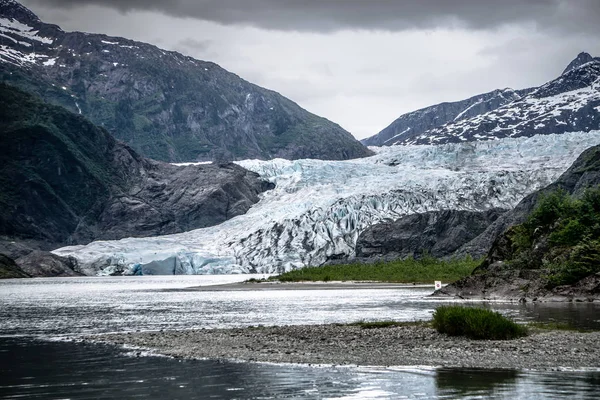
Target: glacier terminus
[318, 208]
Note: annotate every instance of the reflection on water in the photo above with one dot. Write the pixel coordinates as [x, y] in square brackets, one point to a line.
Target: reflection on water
[582, 315]
[471, 382]
[484, 384]
[35, 369]
[41, 308]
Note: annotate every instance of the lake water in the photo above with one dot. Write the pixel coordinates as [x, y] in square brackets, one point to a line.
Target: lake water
[34, 364]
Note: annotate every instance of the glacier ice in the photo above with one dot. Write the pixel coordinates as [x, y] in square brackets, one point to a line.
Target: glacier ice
[318, 208]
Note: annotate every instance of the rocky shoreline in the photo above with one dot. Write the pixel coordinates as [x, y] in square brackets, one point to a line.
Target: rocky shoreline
[407, 345]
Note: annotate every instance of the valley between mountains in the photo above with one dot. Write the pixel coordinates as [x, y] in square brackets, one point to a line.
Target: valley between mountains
[120, 158]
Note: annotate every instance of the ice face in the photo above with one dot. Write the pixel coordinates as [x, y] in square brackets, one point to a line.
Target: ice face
[318, 208]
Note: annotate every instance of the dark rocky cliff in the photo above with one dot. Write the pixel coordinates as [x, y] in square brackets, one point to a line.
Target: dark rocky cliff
[44, 264]
[166, 106]
[437, 233]
[544, 249]
[65, 181]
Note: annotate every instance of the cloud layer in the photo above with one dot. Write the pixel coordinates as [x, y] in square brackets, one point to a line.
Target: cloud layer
[390, 15]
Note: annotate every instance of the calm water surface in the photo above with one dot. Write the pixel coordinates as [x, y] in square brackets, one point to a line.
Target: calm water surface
[34, 365]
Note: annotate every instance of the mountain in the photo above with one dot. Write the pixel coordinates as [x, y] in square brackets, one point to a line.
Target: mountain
[569, 103]
[318, 208]
[164, 105]
[547, 248]
[415, 123]
[64, 180]
[581, 59]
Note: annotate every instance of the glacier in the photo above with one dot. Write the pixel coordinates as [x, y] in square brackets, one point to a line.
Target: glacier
[318, 208]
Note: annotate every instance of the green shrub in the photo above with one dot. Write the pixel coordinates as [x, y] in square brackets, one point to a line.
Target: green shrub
[560, 236]
[475, 323]
[550, 208]
[584, 260]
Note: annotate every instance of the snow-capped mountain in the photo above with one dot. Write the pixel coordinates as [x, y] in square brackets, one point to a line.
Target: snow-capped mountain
[415, 123]
[318, 208]
[569, 103]
[165, 105]
[581, 59]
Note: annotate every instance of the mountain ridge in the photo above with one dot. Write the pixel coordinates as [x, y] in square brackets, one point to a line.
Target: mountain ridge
[554, 107]
[165, 105]
[417, 122]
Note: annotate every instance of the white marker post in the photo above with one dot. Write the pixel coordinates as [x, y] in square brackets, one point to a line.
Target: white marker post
[438, 285]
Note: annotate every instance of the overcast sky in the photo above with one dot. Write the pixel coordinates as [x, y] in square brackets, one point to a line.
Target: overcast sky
[360, 63]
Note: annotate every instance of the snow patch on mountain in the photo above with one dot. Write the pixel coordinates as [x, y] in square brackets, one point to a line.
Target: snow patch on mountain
[395, 136]
[318, 208]
[11, 26]
[466, 110]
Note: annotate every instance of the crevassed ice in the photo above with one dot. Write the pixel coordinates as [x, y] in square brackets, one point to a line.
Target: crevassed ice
[318, 208]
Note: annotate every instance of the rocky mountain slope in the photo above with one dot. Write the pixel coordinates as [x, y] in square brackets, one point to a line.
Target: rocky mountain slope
[64, 180]
[319, 208]
[547, 248]
[569, 103]
[164, 105]
[584, 173]
[416, 123]
[437, 233]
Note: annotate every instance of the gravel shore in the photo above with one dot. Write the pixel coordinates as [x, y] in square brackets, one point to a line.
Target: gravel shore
[354, 345]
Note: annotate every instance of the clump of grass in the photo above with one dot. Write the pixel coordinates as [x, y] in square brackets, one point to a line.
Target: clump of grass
[476, 323]
[423, 270]
[385, 324]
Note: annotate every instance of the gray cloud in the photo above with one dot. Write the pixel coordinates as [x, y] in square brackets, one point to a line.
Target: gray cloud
[391, 15]
[194, 44]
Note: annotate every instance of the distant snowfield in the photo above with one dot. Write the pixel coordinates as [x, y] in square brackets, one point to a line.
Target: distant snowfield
[318, 208]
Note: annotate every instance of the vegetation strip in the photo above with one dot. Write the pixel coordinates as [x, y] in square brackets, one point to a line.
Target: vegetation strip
[424, 270]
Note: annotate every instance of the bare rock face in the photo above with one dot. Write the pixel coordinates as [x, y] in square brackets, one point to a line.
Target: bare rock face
[438, 233]
[165, 105]
[172, 199]
[69, 182]
[45, 264]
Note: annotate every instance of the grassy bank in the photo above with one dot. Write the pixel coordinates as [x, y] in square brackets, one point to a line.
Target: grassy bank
[424, 270]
